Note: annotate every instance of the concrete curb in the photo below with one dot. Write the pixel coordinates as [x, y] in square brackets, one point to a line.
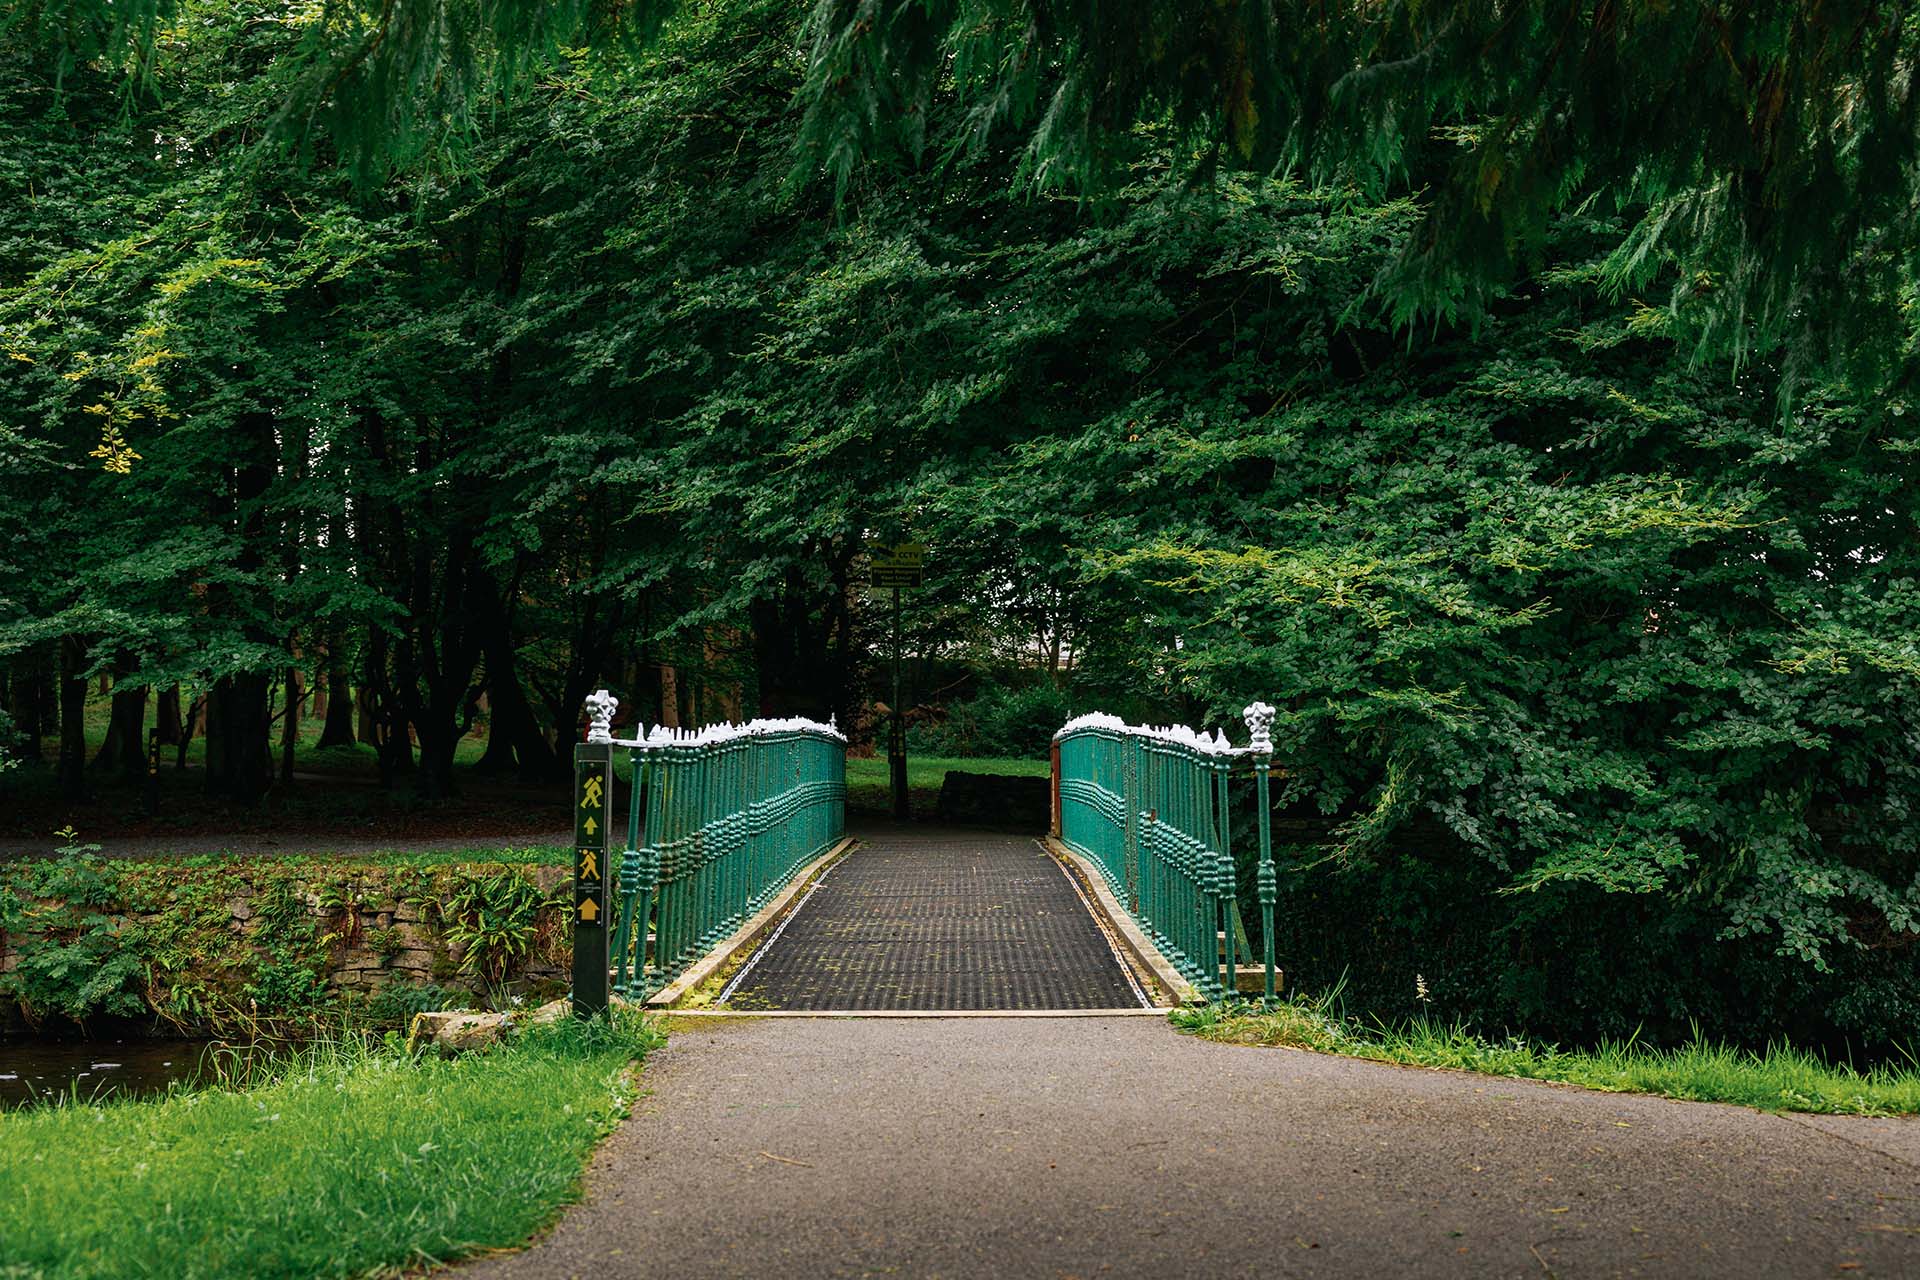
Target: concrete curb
[747, 935]
[1123, 926]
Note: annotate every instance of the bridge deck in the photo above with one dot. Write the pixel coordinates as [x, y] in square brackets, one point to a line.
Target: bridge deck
[939, 920]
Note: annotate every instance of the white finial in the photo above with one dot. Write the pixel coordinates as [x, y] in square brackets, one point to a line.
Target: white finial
[600, 708]
[1259, 718]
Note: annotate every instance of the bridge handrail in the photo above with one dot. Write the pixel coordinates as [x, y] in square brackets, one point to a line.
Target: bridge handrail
[1148, 805]
[719, 820]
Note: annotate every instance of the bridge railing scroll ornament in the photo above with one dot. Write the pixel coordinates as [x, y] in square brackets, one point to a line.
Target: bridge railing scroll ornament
[719, 820]
[1148, 806]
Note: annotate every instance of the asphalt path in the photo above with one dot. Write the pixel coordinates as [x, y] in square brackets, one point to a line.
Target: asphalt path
[1110, 1146]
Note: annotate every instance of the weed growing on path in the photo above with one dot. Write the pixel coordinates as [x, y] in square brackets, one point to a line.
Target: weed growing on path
[1782, 1078]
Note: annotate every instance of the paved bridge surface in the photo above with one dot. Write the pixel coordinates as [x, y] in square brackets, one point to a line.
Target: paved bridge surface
[925, 919]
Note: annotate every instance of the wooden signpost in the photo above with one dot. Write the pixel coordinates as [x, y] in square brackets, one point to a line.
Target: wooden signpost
[592, 954]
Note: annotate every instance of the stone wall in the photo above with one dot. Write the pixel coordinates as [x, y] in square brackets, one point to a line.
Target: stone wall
[367, 955]
[211, 944]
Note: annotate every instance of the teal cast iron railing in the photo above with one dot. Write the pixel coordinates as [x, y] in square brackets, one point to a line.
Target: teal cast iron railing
[719, 820]
[1148, 807]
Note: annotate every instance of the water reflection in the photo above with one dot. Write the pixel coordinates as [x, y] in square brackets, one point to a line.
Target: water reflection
[94, 1070]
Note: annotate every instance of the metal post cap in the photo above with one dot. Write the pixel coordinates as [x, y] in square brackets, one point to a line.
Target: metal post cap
[1259, 718]
[600, 708]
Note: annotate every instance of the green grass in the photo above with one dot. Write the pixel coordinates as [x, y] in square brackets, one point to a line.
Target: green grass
[1780, 1079]
[868, 785]
[342, 1160]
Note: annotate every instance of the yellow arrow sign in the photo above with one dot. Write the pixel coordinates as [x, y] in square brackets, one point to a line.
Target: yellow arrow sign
[590, 794]
[589, 911]
[590, 826]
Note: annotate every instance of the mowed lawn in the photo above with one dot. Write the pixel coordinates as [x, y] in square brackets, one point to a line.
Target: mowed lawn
[868, 785]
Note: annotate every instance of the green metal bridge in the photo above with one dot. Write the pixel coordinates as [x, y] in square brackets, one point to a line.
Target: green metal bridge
[737, 886]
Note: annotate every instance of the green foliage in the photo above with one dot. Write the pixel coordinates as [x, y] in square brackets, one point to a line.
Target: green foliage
[493, 918]
[65, 923]
[1697, 121]
[76, 967]
[275, 1179]
[1577, 635]
[1778, 1078]
[997, 721]
[11, 743]
[395, 1004]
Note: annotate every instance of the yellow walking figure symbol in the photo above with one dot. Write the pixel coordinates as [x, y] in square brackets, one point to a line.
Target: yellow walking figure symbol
[589, 865]
[590, 794]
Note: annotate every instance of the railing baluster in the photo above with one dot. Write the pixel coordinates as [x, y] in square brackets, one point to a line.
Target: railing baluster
[1148, 807]
[719, 820]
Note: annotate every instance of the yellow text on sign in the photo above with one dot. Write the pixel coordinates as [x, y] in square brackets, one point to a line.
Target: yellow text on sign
[904, 555]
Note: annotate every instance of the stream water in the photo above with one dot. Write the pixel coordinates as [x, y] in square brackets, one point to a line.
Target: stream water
[94, 1069]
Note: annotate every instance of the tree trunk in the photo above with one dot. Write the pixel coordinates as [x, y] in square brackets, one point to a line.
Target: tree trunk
[195, 725]
[72, 769]
[514, 739]
[801, 644]
[290, 725]
[381, 723]
[239, 728]
[166, 715]
[125, 749]
[18, 693]
[337, 729]
[34, 709]
[239, 759]
[669, 696]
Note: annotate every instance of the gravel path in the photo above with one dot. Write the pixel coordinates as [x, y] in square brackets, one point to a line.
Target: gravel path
[992, 1146]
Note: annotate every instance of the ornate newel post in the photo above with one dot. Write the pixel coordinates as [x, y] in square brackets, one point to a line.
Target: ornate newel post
[592, 789]
[1259, 719]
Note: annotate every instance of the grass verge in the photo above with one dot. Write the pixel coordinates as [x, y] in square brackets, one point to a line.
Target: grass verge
[1782, 1078]
[345, 1159]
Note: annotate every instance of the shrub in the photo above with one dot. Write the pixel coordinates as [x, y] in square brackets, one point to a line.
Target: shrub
[997, 721]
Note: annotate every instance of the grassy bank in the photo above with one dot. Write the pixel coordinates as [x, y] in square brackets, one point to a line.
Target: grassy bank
[1780, 1079]
[339, 1161]
[867, 784]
